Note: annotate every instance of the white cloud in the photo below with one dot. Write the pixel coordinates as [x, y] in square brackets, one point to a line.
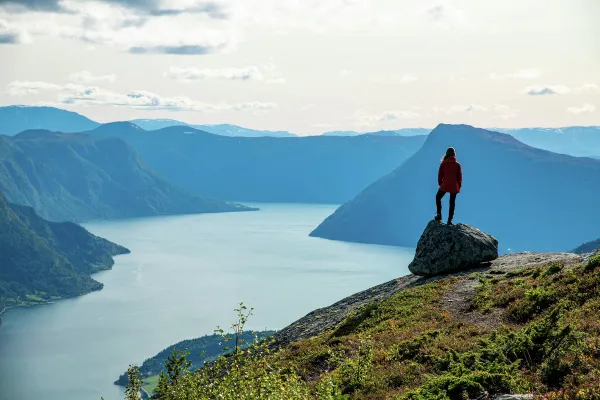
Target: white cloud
[585, 108]
[75, 94]
[522, 74]
[233, 74]
[212, 8]
[22, 88]
[324, 125]
[469, 108]
[12, 34]
[446, 14]
[408, 78]
[184, 27]
[587, 87]
[151, 101]
[88, 77]
[504, 112]
[275, 81]
[394, 79]
[265, 73]
[376, 119]
[546, 90]
[133, 30]
[313, 15]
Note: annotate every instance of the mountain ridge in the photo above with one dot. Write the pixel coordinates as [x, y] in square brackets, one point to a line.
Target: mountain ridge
[217, 129]
[74, 177]
[15, 119]
[498, 170]
[309, 169]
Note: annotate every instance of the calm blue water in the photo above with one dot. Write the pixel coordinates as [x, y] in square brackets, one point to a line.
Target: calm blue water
[184, 277]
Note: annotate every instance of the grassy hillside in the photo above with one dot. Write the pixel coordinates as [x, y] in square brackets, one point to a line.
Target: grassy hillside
[200, 350]
[42, 261]
[501, 330]
[70, 177]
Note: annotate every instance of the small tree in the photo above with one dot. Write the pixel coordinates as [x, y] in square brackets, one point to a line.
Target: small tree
[237, 327]
[177, 366]
[132, 390]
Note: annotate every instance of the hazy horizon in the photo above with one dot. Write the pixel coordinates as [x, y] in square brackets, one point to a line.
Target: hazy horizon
[307, 66]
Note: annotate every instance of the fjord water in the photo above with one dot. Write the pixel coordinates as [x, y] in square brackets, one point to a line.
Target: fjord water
[184, 277]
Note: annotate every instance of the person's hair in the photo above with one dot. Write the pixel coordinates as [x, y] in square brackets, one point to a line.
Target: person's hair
[450, 152]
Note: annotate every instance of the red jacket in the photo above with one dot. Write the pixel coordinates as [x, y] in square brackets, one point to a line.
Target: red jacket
[450, 176]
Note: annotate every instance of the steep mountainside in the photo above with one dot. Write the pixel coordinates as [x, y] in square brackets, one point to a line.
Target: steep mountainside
[523, 326]
[219, 129]
[201, 350]
[78, 177]
[587, 247]
[15, 119]
[581, 141]
[42, 261]
[527, 198]
[299, 169]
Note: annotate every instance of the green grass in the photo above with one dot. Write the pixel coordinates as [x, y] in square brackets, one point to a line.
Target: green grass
[150, 383]
[546, 342]
[35, 298]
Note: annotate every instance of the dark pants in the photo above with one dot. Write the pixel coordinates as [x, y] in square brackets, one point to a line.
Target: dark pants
[438, 203]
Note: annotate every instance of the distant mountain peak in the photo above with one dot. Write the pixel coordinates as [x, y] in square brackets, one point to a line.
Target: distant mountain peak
[120, 125]
[15, 119]
[509, 190]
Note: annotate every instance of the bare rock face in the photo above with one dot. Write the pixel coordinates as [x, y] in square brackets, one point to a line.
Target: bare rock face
[443, 249]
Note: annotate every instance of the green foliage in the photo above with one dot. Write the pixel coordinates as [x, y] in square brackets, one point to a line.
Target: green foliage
[132, 391]
[411, 346]
[593, 263]
[552, 269]
[176, 367]
[68, 177]
[355, 372]
[200, 351]
[247, 373]
[43, 261]
[238, 328]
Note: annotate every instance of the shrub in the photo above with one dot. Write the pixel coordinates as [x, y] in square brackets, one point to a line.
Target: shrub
[593, 263]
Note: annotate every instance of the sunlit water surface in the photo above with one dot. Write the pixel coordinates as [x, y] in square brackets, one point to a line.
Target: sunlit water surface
[184, 277]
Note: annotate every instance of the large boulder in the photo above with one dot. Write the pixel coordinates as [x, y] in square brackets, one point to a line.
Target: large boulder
[450, 248]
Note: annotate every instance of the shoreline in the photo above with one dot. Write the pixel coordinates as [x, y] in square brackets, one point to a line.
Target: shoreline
[102, 267]
[3, 311]
[26, 306]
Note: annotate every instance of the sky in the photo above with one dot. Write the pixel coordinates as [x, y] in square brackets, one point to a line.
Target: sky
[307, 66]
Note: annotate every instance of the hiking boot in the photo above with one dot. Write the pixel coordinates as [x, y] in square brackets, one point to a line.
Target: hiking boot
[449, 222]
[437, 217]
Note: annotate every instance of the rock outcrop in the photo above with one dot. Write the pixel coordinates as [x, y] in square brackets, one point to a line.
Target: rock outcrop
[445, 248]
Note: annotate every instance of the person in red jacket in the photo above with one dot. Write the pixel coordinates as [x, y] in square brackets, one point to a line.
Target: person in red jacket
[450, 181]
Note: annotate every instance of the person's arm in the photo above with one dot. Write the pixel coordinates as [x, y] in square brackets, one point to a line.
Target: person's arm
[440, 175]
[459, 176]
